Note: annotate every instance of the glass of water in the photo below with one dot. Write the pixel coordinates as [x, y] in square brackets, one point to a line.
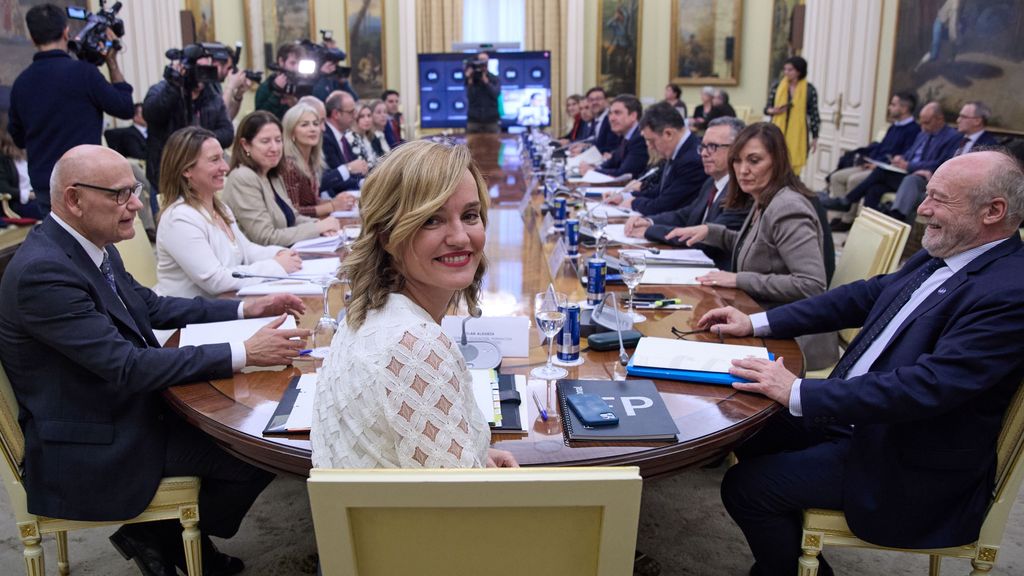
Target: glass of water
[325, 328]
[548, 311]
[632, 263]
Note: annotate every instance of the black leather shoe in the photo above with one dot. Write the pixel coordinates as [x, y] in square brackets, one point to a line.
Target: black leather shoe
[215, 562]
[134, 542]
[841, 226]
[840, 203]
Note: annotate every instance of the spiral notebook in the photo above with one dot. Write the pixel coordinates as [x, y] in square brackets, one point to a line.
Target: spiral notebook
[643, 416]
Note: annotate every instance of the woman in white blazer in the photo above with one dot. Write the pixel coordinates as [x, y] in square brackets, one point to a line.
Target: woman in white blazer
[198, 242]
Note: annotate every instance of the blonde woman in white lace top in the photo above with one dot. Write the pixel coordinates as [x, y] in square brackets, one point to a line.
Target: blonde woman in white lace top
[394, 391]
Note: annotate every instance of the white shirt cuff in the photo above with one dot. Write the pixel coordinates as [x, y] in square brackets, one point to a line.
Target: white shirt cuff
[760, 324]
[343, 170]
[237, 356]
[794, 399]
[241, 309]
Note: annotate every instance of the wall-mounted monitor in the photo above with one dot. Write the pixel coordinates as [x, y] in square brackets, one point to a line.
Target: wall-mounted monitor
[525, 98]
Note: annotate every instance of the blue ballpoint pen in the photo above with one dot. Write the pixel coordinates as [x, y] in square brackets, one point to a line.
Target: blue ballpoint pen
[305, 352]
[543, 412]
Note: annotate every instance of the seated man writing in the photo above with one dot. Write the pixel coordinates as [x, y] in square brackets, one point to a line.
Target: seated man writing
[901, 437]
[76, 340]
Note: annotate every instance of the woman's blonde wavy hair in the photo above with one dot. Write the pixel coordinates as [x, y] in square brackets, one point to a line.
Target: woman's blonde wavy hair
[409, 186]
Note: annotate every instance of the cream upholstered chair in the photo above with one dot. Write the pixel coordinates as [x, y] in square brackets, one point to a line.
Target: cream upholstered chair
[899, 228]
[176, 498]
[138, 256]
[828, 527]
[456, 522]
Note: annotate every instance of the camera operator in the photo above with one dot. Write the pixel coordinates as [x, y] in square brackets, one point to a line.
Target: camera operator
[58, 103]
[271, 96]
[233, 82]
[482, 90]
[182, 99]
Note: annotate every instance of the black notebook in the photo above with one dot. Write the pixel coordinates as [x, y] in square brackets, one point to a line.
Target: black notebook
[278, 423]
[504, 397]
[643, 416]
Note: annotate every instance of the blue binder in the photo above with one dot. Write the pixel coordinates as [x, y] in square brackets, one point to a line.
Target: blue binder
[716, 378]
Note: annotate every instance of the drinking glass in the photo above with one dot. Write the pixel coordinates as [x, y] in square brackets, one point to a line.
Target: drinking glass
[326, 327]
[547, 310]
[633, 263]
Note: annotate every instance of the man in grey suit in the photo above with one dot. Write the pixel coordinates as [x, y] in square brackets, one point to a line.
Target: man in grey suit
[77, 343]
[707, 206]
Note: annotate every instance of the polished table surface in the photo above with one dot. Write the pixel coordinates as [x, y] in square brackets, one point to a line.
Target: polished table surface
[711, 419]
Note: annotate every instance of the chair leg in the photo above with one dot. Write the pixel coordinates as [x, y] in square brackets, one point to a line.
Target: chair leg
[808, 563]
[934, 564]
[189, 516]
[63, 565]
[35, 564]
[984, 560]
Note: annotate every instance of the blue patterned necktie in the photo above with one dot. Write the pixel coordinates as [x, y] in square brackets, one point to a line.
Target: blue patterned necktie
[108, 272]
[864, 342]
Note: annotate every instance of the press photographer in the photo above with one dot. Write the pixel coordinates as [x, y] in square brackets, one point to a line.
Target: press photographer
[58, 103]
[185, 97]
[273, 94]
[482, 90]
[333, 76]
[232, 82]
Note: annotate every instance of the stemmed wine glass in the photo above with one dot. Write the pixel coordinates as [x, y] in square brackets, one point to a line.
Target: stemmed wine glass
[632, 263]
[326, 327]
[548, 311]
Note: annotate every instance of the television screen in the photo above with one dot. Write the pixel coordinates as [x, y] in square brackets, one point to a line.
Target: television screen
[525, 98]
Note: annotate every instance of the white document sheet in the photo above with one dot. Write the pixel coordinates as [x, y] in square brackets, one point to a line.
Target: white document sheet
[229, 331]
[353, 213]
[677, 354]
[617, 233]
[319, 244]
[301, 416]
[595, 177]
[297, 287]
[689, 256]
[609, 211]
[678, 276]
[591, 156]
[317, 267]
[887, 166]
[598, 191]
[485, 391]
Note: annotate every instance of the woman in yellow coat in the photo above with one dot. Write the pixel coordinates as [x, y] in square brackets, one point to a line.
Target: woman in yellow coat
[793, 106]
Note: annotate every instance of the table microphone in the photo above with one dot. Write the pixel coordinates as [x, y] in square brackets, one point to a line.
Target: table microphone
[480, 355]
[247, 275]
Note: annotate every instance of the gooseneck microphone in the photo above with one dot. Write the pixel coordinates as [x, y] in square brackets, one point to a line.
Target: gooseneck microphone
[479, 355]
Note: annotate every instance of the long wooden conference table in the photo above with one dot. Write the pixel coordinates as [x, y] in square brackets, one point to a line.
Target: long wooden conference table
[711, 419]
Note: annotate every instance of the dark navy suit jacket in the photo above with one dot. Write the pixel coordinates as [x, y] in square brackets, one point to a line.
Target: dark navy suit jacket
[921, 465]
[678, 188]
[940, 149]
[693, 215]
[629, 159]
[87, 371]
[334, 156]
[606, 141]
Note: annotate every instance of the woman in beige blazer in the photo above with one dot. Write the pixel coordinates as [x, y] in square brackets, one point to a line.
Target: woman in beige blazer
[777, 255]
[255, 192]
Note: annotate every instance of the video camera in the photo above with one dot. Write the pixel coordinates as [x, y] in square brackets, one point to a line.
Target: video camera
[191, 73]
[301, 82]
[477, 68]
[91, 44]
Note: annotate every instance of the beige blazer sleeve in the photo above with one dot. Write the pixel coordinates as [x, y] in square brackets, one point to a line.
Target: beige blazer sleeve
[251, 199]
[781, 257]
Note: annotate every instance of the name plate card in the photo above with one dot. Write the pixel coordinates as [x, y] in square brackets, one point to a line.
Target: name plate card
[524, 205]
[511, 334]
[546, 227]
[558, 257]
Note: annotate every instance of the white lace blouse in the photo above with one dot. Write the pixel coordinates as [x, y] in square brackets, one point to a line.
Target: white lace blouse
[397, 394]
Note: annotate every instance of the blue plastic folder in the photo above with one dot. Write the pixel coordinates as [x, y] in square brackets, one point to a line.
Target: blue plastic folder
[717, 378]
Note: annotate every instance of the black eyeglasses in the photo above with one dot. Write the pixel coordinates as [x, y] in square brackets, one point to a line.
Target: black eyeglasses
[120, 196]
[692, 334]
[711, 147]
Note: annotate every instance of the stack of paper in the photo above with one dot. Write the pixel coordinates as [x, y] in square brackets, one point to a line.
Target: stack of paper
[297, 287]
[595, 177]
[674, 359]
[317, 268]
[674, 276]
[300, 419]
[598, 192]
[609, 211]
[229, 331]
[684, 257]
[617, 233]
[319, 244]
[353, 213]
[591, 156]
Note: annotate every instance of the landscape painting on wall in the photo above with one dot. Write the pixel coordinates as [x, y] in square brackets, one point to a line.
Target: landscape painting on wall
[365, 21]
[953, 51]
[618, 46]
[706, 42]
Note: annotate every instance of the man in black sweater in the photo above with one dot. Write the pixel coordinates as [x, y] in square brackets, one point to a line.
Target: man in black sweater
[58, 103]
[482, 91]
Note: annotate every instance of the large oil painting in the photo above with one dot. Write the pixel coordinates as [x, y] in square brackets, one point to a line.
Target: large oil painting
[202, 15]
[365, 21]
[285, 21]
[785, 36]
[618, 46]
[706, 41]
[15, 42]
[953, 51]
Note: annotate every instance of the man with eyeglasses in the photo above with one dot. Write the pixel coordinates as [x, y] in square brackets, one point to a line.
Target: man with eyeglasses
[76, 332]
[344, 170]
[707, 205]
[971, 125]
[604, 139]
